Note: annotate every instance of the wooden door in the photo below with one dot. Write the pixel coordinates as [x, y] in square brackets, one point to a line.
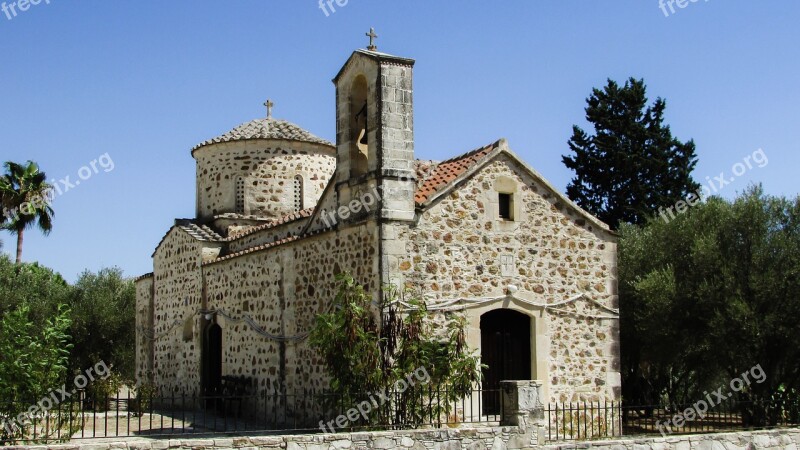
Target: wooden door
[506, 350]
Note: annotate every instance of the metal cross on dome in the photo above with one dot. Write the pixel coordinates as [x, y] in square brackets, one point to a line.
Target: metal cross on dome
[269, 104]
[372, 36]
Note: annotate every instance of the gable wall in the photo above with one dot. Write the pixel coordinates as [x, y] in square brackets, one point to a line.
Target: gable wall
[144, 326]
[176, 304]
[456, 251]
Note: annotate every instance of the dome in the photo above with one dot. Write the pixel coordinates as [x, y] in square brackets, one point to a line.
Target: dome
[266, 129]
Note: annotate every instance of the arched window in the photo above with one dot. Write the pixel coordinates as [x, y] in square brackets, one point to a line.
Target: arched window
[240, 195]
[298, 193]
[359, 127]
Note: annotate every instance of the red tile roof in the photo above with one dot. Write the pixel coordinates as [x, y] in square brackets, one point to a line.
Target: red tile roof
[447, 171]
[267, 246]
[297, 215]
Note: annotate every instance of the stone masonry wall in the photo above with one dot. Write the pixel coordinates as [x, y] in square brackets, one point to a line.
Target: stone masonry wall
[144, 321]
[283, 289]
[177, 302]
[268, 169]
[397, 141]
[788, 439]
[496, 438]
[461, 249]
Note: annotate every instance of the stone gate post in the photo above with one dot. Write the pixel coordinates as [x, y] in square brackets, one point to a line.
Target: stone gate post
[523, 407]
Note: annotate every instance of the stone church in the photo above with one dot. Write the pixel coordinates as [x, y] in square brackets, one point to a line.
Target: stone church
[280, 212]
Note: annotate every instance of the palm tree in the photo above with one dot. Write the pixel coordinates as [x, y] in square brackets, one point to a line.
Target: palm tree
[25, 197]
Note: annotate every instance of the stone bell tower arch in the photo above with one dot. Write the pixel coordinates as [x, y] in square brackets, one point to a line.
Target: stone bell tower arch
[375, 131]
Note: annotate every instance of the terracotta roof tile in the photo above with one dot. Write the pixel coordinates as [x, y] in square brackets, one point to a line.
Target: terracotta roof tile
[267, 246]
[200, 232]
[297, 215]
[236, 216]
[447, 171]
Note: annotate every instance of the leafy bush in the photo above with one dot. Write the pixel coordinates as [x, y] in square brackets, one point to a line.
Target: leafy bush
[101, 391]
[33, 363]
[370, 349]
[143, 401]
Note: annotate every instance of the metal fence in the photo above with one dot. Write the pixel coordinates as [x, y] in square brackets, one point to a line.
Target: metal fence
[80, 418]
[600, 420]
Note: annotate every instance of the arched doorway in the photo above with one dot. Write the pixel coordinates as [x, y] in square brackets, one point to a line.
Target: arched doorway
[506, 350]
[212, 360]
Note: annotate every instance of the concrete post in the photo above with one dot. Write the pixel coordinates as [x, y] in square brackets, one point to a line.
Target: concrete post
[523, 408]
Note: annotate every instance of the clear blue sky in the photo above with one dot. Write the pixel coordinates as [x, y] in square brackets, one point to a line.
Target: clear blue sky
[146, 80]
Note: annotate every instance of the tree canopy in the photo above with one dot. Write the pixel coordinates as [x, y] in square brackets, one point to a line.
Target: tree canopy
[103, 308]
[25, 201]
[100, 310]
[709, 295]
[631, 165]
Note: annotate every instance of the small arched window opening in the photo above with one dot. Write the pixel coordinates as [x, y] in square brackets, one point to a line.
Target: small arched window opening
[359, 127]
[298, 193]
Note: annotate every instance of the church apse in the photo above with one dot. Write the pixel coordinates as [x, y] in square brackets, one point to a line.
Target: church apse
[252, 170]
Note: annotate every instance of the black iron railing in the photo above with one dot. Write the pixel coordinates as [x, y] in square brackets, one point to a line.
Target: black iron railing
[161, 416]
[601, 420]
[80, 417]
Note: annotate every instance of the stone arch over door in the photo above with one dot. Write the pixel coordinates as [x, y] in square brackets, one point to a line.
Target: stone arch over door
[506, 349]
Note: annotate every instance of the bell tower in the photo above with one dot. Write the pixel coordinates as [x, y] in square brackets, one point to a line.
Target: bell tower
[375, 131]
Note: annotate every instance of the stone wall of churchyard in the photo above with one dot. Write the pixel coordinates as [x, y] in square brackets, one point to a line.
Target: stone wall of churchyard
[266, 171]
[176, 318]
[283, 289]
[788, 438]
[494, 438]
[461, 249]
[144, 325]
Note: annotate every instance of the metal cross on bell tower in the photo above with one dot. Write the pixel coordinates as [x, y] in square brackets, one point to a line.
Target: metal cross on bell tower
[372, 36]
